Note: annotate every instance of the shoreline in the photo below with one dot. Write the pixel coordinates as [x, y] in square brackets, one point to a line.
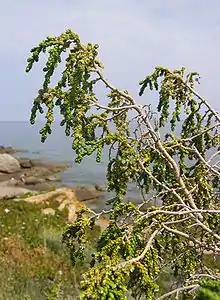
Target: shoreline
[21, 175]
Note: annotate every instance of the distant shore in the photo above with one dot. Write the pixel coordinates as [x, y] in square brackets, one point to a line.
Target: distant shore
[22, 175]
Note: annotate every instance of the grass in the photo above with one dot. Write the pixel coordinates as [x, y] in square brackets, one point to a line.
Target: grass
[34, 264]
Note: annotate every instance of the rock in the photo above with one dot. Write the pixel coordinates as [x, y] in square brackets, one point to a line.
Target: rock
[100, 187]
[86, 193]
[67, 199]
[48, 211]
[39, 172]
[9, 164]
[54, 167]
[53, 178]
[11, 182]
[7, 192]
[32, 180]
[6, 177]
[64, 196]
[25, 162]
[44, 187]
[10, 150]
[72, 210]
[103, 222]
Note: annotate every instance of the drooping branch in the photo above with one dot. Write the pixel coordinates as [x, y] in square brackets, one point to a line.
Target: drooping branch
[203, 100]
[191, 238]
[142, 255]
[178, 170]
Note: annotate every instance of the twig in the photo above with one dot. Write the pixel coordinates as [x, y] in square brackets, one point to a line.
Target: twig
[141, 256]
[187, 236]
[201, 133]
[184, 288]
[183, 212]
[125, 107]
[198, 96]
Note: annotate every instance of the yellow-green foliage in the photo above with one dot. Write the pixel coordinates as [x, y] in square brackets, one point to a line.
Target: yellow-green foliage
[171, 167]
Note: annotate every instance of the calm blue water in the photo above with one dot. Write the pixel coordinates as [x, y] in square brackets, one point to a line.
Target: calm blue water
[57, 147]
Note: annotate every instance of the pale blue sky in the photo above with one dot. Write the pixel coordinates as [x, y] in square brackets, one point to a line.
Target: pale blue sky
[134, 36]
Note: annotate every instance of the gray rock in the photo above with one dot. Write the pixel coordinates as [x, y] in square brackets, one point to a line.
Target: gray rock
[9, 164]
[25, 162]
[10, 150]
[9, 183]
[100, 187]
[55, 167]
[7, 192]
[31, 180]
[86, 193]
[38, 172]
[52, 178]
[44, 186]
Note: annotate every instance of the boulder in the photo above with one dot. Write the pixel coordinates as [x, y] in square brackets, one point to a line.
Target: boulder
[25, 162]
[44, 187]
[7, 192]
[10, 150]
[9, 183]
[53, 178]
[9, 164]
[54, 167]
[32, 180]
[37, 183]
[66, 199]
[64, 196]
[39, 172]
[100, 187]
[86, 193]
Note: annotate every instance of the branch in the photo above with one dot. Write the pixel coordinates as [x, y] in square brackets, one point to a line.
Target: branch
[213, 156]
[204, 161]
[163, 152]
[155, 136]
[126, 107]
[184, 288]
[161, 184]
[111, 87]
[204, 275]
[191, 212]
[181, 201]
[141, 256]
[197, 95]
[184, 212]
[187, 236]
[201, 133]
[169, 159]
[178, 221]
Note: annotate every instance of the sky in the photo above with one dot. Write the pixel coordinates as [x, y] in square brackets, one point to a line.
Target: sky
[134, 37]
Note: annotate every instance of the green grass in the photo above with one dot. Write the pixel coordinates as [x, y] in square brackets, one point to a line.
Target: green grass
[34, 264]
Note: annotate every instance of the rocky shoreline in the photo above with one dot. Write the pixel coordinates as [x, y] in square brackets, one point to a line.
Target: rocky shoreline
[35, 208]
[22, 175]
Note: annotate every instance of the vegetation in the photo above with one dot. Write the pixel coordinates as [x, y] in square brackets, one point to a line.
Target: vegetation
[171, 154]
[34, 262]
[209, 290]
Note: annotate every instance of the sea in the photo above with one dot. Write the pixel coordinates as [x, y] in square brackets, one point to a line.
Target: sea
[58, 148]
